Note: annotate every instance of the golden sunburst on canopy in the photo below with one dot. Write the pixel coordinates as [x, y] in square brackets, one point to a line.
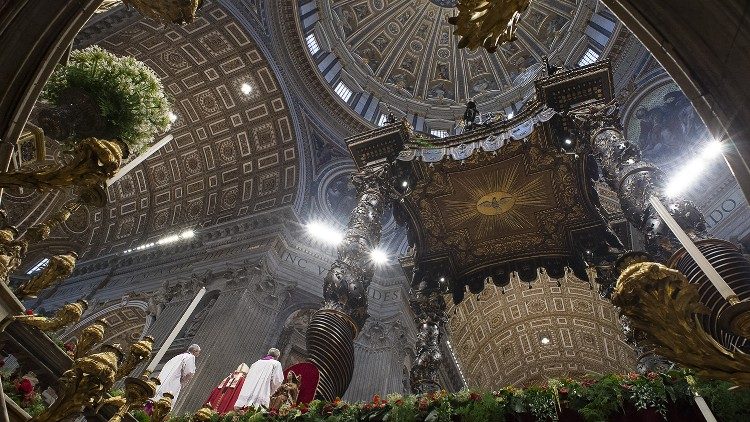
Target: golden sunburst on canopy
[501, 199]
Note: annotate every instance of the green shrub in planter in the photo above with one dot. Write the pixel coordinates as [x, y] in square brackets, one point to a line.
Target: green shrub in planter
[100, 94]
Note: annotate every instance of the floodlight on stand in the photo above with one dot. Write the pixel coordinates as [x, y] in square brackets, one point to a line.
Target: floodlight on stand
[568, 142]
[404, 184]
[246, 88]
[442, 279]
[544, 340]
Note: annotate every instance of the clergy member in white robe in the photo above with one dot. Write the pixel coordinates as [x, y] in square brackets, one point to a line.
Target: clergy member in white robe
[177, 372]
[264, 377]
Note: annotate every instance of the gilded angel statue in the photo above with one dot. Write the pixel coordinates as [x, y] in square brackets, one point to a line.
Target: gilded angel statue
[487, 23]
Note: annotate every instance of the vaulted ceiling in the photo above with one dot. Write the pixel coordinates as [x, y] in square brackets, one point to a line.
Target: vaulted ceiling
[233, 154]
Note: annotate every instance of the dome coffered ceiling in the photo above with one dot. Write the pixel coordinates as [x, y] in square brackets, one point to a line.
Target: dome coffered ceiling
[405, 53]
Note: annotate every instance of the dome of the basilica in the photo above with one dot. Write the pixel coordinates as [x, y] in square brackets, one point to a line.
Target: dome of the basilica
[404, 55]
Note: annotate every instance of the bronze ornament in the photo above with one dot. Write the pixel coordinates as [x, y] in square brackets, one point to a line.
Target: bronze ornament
[137, 391]
[84, 385]
[67, 315]
[660, 303]
[162, 407]
[95, 196]
[429, 310]
[59, 268]
[12, 252]
[204, 414]
[93, 161]
[90, 336]
[487, 23]
[139, 352]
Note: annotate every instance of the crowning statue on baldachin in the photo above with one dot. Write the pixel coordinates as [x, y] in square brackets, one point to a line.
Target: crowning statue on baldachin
[487, 23]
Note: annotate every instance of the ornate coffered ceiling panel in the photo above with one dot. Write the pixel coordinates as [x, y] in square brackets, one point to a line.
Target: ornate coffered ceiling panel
[233, 154]
[405, 53]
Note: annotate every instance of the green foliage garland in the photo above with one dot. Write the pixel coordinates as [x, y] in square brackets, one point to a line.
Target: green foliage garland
[594, 399]
[130, 95]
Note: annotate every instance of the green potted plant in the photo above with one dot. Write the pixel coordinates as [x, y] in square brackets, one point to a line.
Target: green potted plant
[98, 94]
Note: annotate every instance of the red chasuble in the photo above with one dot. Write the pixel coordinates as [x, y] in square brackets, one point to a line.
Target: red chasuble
[224, 396]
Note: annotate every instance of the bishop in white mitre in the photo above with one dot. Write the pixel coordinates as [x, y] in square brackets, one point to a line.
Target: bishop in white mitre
[177, 372]
[264, 377]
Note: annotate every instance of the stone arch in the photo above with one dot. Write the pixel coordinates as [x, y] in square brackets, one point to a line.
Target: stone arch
[127, 322]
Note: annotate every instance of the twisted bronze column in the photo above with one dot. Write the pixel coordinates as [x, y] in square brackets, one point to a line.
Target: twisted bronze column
[429, 310]
[635, 181]
[331, 332]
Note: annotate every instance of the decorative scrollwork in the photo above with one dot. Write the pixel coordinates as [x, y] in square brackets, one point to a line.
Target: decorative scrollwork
[662, 304]
[429, 309]
[487, 23]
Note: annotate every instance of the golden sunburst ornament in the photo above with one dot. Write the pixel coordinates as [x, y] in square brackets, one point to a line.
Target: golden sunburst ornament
[498, 200]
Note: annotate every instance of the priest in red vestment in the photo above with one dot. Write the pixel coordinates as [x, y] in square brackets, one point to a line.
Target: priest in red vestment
[224, 396]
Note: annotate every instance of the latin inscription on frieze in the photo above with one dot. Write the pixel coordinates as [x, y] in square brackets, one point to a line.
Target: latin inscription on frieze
[307, 265]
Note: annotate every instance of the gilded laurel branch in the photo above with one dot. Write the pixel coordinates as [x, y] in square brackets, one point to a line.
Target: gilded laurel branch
[487, 23]
[662, 304]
